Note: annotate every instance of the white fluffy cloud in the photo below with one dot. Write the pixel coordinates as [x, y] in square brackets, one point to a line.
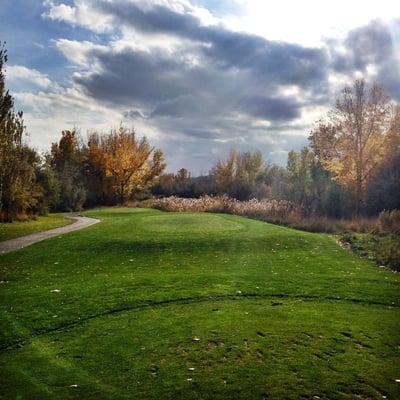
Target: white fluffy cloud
[82, 13]
[20, 76]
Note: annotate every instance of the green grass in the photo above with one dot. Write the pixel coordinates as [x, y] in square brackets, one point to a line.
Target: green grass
[153, 305]
[42, 223]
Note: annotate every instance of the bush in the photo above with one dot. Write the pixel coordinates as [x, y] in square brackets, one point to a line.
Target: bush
[389, 221]
[387, 250]
[383, 249]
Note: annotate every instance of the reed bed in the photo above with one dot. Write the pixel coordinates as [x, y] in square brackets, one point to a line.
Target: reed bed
[268, 210]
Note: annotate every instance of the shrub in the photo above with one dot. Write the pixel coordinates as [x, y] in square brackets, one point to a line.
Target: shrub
[389, 221]
[383, 249]
[387, 250]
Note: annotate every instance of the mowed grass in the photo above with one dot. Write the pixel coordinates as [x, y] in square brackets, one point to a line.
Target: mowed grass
[153, 305]
[42, 223]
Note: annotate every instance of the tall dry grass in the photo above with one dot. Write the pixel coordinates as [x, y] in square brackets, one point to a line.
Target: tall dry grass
[281, 212]
[272, 210]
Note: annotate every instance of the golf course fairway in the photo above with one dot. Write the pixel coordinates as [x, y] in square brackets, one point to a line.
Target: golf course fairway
[155, 305]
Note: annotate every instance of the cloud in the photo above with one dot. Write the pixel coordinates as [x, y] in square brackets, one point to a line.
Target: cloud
[213, 71]
[370, 44]
[284, 62]
[133, 114]
[129, 76]
[272, 108]
[195, 86]
[19, 76]
[153, 20]
[61, 12]
[369, 51]
[82, 13]
[77, 52]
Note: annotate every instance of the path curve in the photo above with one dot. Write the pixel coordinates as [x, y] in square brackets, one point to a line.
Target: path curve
[24, 241]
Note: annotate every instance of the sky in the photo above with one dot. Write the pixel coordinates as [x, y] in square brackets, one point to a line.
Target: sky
[196, 77]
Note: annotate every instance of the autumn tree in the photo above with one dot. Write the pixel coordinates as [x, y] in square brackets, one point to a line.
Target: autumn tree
[350, 142]
[99, 185]
[237, 174]
[224, 172]
[67, 162]
[127, 162]
[299, 185]
[308, 184]
[19, 191]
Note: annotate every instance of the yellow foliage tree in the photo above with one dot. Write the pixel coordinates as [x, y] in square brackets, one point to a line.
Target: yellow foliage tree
[237, 174]
[351, 141]
[224, 171]
[129, 163]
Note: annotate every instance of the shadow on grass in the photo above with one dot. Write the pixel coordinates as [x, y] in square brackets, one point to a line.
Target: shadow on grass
[145, 304]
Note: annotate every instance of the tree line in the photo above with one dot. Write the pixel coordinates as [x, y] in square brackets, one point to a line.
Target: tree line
[351, 166]
[104, 170]
[107, 168]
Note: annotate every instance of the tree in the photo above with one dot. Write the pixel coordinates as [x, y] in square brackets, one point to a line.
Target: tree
[224, 172]
[18, 189]
[129, 163]
[67, 163]
[238, 174]
[99, 185]
[165, 186]
[350, 143]
[299, 177]
[50, 186]
[182, 175]
[383, 187]
[272, 182]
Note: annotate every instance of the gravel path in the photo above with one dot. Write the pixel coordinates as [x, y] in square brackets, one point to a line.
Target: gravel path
[19, 243]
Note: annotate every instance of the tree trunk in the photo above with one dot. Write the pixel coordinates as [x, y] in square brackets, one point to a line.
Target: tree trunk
[122, 194]
[358, 198]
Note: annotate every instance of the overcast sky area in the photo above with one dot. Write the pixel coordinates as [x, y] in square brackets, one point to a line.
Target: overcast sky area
[197, 77]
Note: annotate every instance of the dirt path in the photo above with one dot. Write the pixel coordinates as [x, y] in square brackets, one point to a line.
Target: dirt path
[19, 243]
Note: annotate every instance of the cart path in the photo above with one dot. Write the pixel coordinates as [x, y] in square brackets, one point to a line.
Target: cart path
[24, 241]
